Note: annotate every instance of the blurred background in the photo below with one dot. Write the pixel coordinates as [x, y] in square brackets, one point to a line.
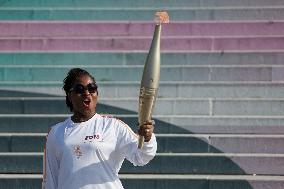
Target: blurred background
[220, 107]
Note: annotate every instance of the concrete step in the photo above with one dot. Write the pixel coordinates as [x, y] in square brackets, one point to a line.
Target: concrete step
[163, 106]
[141, 13]
[235, 164]
[40, 123]
[146, 3]
[168, 143]
[50, 30]
[113, 73]
[139, 58]
[205, 182]
[200, 106]
[56, 105]
[118, 44]
[167, 89]
[166, 181]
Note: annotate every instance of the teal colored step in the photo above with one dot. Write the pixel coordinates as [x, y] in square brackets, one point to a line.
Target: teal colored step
[22, 143]
[50, 106]
[20, 163]
[207, 164]
[170, 143]
[131, 89]
[130, 3]
[255, 107]
[43, 123]
[21, 183]
[124, 58]
[176, 164]
[168, 182]
[37, 124]
[25, 93]
[134, 73]
[107, 106]
[164, 124]
[205, 106]
[198, 183]
[100, 4]
[163, 183]
[134, 14]
[224, 90]
[135, 4]
[68, 58]
[171, 106]
[165, 144]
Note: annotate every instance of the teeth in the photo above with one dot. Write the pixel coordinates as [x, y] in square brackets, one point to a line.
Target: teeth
[86, 101]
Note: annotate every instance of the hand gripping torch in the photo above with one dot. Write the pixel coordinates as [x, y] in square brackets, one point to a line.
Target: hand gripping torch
[151, 75]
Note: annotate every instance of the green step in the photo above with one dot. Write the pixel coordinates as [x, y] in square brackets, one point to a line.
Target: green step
[107, 106]
[50, 106]
[134, 73]
[135, 4]
[168, 89]
[164, 182]
[233, 164]
[99, 4]
[164, 124]
[141, 14]
[42, 123]
[171, 143]
[124, 58]
[164, 106]
[165, 144]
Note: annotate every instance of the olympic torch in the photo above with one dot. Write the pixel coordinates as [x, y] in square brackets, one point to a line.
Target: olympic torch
[151, 75]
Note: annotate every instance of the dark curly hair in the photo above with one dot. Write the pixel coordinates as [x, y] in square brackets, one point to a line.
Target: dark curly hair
[70, 80]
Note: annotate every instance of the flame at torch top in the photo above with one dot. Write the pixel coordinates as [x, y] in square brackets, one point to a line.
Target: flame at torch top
[151, 75]
[162, 17]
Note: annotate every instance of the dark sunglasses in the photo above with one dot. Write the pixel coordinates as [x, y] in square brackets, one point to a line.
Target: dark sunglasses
[80, 89]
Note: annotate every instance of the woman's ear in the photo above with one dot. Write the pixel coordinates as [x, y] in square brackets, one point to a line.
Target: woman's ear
[68, 102]
[68, 97]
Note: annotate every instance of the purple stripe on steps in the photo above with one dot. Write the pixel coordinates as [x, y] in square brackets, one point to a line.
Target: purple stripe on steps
[134, 44]
[264, 43]
[34, 29]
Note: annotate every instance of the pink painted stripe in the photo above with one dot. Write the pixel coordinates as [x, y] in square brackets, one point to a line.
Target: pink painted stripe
[87, 29]
[136, 44]
[264, 43]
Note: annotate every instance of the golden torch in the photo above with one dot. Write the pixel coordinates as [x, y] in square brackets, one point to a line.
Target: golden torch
[151, 75]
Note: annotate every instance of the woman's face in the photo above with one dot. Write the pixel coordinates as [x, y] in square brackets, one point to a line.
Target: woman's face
[83, 97]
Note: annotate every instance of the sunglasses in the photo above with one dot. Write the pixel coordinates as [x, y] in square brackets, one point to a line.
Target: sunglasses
[80, 89]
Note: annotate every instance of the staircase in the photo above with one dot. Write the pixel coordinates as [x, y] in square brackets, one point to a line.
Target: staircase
[220, 110]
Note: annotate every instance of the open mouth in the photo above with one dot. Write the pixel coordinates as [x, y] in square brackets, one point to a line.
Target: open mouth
[87, 102]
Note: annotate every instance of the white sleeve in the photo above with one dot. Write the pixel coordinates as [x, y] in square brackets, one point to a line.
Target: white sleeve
[128, 145]
[51, 164]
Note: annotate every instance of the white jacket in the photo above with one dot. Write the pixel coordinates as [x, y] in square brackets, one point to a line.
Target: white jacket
[89, 155]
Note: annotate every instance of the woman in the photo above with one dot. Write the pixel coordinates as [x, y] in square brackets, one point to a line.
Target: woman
[87, 150]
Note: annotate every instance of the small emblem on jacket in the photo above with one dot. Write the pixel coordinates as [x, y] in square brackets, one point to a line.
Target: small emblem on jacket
[92, 137]
[77, 151]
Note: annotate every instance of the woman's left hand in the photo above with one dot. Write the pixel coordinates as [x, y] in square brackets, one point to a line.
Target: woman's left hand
[146, 130]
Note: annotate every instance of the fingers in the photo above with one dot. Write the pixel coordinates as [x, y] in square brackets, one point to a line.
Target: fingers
[147, 127]
[146, 130]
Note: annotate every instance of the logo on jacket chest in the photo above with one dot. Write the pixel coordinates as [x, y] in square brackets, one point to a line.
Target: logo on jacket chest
[92, 137]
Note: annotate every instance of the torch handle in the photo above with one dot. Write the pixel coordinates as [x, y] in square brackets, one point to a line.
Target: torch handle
[147, 100]
[140, 141]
